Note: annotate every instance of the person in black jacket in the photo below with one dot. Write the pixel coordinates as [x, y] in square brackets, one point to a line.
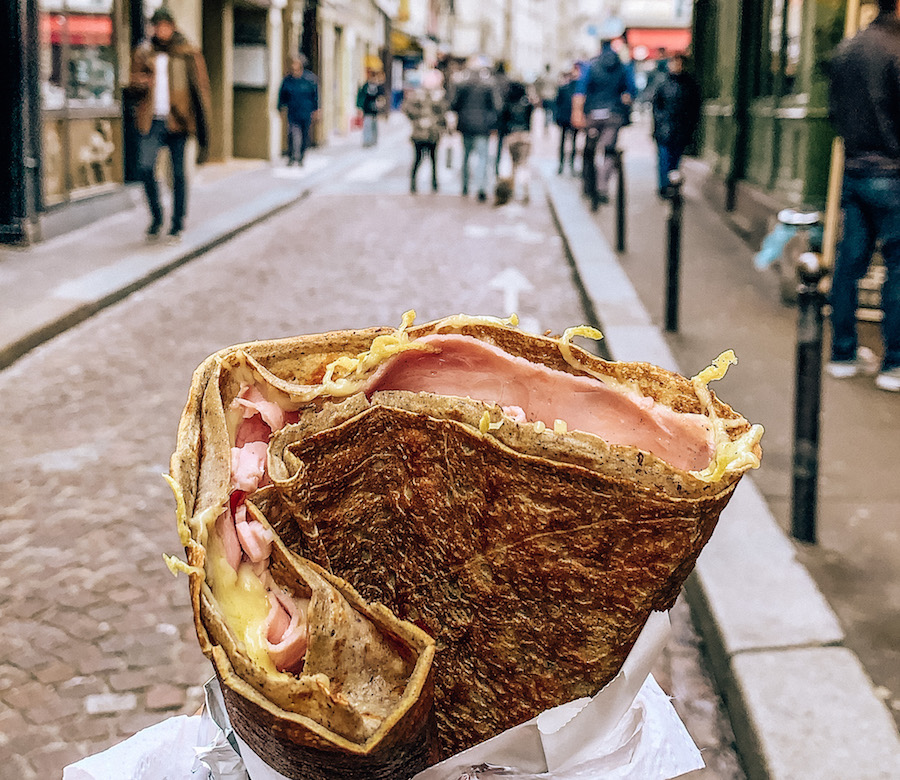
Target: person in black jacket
[371, 101]
[601, 106]
[299, 94]
[562, 110]
[477, 105]
[864, 107]
[501, 85]
[676, 114]
[515, 117]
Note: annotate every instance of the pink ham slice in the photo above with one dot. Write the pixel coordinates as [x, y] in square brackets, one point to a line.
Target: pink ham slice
[467, 367]
[254, 402]
[252, 429]
[255, 538]
[287, 632]
[228, 535]
[248, 465]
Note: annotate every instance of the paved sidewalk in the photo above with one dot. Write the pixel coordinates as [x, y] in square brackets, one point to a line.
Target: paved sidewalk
[802, 704]
[49, 287]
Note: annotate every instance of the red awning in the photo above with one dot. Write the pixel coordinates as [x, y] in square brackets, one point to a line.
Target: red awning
[673, 40]
[83, 30]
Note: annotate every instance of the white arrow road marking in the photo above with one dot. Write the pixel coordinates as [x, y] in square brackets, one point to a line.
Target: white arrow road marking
[511, 282]
[517, 231]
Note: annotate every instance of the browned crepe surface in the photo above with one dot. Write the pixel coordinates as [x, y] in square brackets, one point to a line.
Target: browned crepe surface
[366, 688]
[534, 560]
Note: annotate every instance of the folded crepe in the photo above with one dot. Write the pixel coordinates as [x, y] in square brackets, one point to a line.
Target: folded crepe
[317, 681]
[524, 503]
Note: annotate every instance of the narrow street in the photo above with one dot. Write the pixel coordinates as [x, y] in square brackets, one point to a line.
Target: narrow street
[99, 637]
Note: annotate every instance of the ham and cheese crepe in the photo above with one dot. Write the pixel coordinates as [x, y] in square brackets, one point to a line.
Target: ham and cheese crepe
[316, 680]
[522, 502]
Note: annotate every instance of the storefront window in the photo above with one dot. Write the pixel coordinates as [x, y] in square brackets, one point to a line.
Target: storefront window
[785, 28]
[82, 146]
[92, 61]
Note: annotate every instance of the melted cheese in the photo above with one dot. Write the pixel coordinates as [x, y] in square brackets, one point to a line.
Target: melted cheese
[243, 601]
[729, 455]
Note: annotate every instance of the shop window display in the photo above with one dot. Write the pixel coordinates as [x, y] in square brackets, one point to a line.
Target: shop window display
[783, 52]
[82, 146]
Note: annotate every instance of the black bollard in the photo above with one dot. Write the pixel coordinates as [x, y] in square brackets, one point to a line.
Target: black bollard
[807, 398]
[620, 200]
[673, 250]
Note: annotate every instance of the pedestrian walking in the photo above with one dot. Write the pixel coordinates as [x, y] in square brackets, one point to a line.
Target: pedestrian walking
[515, 116]
[476, 105]
[426, 107]
[864, 107]
[655, 77]
[676, 115]
[299, 94]
[568, 133]
[371, 101]
[600, 106]
[170, 86]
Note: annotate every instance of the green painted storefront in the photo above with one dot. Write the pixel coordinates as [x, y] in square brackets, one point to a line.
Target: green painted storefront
[762, 67]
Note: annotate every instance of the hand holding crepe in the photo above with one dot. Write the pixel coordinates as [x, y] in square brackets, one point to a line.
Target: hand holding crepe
[521, 501]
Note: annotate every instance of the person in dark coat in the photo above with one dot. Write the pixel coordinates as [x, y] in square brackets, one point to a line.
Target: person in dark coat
[562, 110]
[676, 115]
[299, 94]
[371, 101]
[477, 105]
[864, 107]
[601, 106]
[501, 85]
[515, 116]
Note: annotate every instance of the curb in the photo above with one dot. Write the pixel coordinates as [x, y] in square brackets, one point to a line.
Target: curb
[800, 702]
[134, 274]
[86, 295]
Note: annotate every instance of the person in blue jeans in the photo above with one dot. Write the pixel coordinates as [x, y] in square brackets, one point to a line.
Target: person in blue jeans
[864, 107]
[170, 86]
[299, 93]
[676, 114]
[476, 103]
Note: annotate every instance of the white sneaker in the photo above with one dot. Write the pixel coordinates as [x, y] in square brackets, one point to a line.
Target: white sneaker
[865, 362]
[889, 380]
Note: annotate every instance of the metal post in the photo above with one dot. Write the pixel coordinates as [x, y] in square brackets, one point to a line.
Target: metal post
[673, 251]
[15, 153]
[807, 399]
[620, 201]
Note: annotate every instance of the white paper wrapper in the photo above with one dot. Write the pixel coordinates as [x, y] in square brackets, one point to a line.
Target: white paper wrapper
[164, 751]
[628, 730]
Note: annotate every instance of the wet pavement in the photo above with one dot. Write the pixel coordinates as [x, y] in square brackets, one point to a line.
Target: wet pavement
[99, 638]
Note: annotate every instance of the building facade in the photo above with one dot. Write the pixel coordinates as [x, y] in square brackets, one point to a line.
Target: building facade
[69, 149]
[762, 67]
[523, 34]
